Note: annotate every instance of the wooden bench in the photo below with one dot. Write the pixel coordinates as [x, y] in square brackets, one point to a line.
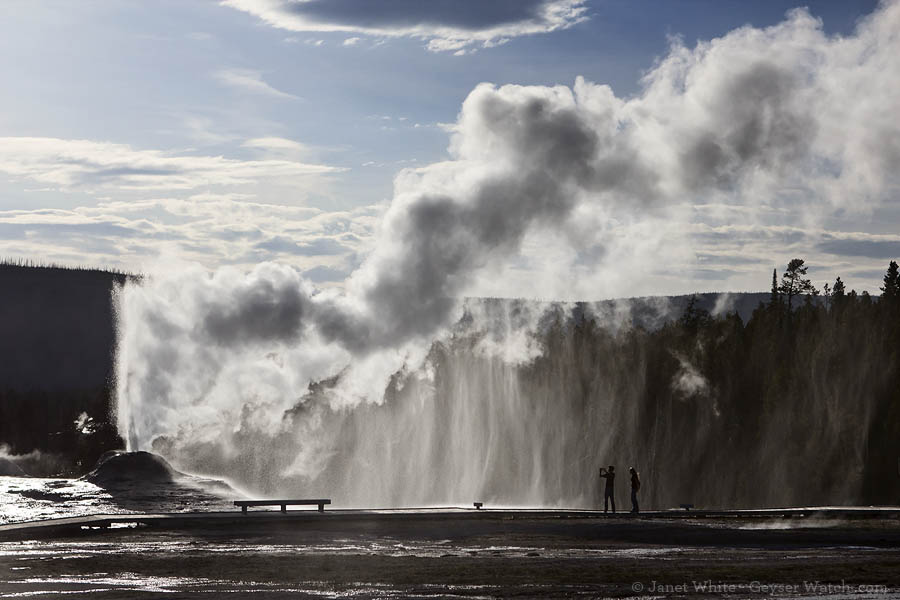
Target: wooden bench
[321, 502]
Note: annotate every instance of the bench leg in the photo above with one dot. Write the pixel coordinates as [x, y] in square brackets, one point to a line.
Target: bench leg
[284, 508]
[244, 509]
[321, 508]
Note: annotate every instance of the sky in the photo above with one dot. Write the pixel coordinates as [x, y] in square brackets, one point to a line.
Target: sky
[137, 134]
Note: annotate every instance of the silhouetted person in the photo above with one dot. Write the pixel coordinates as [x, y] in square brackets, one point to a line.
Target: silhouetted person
[609, 494]
[635, 486]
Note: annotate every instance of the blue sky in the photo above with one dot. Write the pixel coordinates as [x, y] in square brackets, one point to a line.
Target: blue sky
[255, 130]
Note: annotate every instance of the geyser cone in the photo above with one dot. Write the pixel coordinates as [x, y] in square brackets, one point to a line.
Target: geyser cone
[126, 468]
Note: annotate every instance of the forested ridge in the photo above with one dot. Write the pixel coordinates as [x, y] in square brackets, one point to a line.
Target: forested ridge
[57, 339]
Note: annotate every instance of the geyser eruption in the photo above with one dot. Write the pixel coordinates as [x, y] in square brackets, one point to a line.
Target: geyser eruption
[286, 388]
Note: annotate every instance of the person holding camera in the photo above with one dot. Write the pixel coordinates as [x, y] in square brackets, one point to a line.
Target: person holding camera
[609, 491]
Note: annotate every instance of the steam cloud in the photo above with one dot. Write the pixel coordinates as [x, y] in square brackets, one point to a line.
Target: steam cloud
[758, 117]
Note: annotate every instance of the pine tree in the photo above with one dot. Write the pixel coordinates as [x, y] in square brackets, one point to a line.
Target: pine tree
[694, 317]
[794, 282]
[838, 290]
[838, 294]
[775, 299]
[891, 289]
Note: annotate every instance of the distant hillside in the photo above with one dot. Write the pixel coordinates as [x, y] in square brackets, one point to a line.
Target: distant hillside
[57, 339]
[652, 311]
[56, 327]
[647, 312]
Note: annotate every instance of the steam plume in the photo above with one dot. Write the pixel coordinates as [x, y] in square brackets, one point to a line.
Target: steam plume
[770, 116]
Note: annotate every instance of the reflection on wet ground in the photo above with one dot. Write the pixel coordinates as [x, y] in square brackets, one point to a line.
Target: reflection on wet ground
[149, 544]
[318, 564]
[32, 498]
[132, 583]
[26, 559]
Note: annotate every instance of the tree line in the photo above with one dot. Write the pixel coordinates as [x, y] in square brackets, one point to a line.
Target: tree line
[799, 405]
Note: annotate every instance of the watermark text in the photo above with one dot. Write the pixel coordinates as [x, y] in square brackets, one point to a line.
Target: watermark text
[763, 588]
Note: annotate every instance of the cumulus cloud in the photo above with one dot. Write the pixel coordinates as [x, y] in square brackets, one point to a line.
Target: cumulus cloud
[444, 24]
[86, 164]
[250, 81]
[767, 121]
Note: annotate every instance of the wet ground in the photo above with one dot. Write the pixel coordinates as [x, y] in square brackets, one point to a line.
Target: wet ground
[426, 554]
[482, 558]
[33, 498]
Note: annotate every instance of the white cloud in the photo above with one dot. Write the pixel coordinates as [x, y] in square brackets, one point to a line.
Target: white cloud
[90, 165]
[250, 81]
[445, 26]
[211, 229]
[352, 41]
[277, 145]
